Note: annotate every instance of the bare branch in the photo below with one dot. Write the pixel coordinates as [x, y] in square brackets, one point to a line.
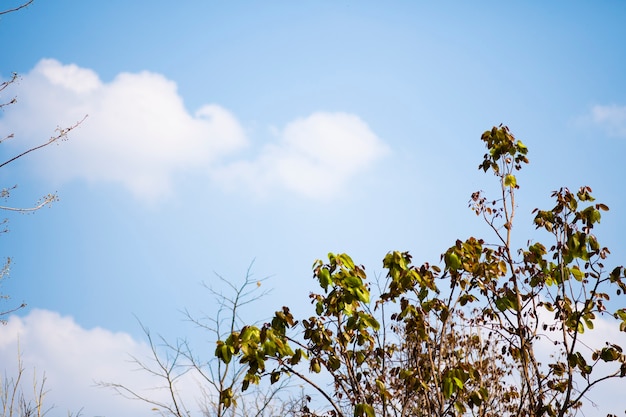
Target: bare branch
[177, 359]
[62, 134]
[48, 199]
[22, 6]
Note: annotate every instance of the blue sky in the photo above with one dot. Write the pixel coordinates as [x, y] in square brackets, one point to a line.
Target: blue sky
[225, 133]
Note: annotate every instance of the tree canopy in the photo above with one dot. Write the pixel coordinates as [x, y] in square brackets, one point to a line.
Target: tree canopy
[491, 330]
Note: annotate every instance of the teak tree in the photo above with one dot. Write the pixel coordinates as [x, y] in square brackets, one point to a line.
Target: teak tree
[467, 338]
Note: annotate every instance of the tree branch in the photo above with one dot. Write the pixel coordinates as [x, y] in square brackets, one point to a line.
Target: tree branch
[28, 3]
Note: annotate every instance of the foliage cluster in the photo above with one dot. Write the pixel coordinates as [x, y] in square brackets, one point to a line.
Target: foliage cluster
[468, 337]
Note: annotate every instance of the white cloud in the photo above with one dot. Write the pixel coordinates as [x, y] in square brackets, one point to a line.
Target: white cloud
[612, 118]
[74, 359]
[314, 157]
[139, 134]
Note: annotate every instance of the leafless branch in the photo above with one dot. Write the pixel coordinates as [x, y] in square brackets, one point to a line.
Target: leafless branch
[61, 135]
[15, 9]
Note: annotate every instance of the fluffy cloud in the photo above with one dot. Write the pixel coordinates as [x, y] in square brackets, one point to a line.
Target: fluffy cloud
[73, 359]
[139, 134]
[313, 156]
[612, 118]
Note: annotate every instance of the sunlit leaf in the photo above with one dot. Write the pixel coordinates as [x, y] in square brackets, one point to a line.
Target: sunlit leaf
[510, 180]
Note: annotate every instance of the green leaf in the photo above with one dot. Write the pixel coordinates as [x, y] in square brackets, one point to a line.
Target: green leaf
[362, 295]
[295, 359]
[448, 387]
[274, 377]
[324, 277]
[380, 385]
[353, 282]
[364, 410]
[346, 260]
[227, 353]
[250, 333]
[334, 363]
[316, 366]
[319, 308]
[452, 260]
[226, 397]
[370, 321]
[505, 303]
[577, 273]
[510, 181]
